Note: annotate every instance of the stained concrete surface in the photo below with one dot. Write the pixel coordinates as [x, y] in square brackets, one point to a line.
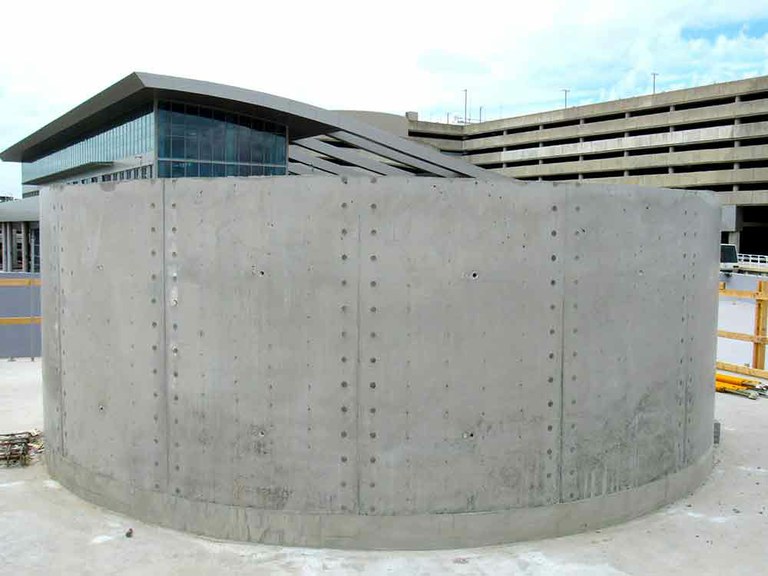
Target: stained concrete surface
[719, 529]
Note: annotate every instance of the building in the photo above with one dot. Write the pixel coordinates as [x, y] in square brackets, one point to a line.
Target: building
[710, 137]
[20, 235]
[148, 126]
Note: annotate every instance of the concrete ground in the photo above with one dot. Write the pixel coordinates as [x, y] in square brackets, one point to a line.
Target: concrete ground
[720, 529]
[21, 395]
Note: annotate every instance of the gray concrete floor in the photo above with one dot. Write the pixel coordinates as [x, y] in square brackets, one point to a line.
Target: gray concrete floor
[720, 529]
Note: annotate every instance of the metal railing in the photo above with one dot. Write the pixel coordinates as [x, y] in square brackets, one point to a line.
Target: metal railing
[759, 260]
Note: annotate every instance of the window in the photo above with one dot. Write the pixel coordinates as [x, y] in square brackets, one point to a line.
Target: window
[195, 141]
[127, 138]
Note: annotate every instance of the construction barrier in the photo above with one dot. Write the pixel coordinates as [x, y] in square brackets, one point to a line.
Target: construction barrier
[759, 337]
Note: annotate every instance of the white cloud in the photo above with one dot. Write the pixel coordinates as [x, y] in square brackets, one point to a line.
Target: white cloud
[393, 56]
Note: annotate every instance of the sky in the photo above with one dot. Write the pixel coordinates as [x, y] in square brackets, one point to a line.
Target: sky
[511, 57]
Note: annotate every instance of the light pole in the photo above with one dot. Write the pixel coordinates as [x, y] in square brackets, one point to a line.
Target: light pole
[565, 97]
[465, 105]
[654, 74]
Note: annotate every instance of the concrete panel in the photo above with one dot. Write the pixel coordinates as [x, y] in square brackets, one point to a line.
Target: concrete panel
[380, 363]
[701, 247]
[624, 347]
[462, 346]
[262, 336]
[111, 326]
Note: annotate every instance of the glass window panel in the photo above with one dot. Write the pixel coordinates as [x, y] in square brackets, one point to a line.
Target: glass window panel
[257, 170]
[177, 147]
[280, 149]
[218, 135]
[257, 147]
[243, 144]
[177, 169]
[243, 170]
[218, 170]
[269, 148]
[192, 170]
[164, 146]
[177, 127]
[231, 170]
[230, 148]
[206, 170]
[192, 142]
[206, 138]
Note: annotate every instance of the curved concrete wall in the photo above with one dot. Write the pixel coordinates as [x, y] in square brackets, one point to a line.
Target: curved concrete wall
[401, 363]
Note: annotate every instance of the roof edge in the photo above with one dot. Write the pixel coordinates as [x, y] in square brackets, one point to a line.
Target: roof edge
[117, 91]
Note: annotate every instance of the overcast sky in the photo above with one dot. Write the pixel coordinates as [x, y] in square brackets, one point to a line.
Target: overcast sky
[512, 57]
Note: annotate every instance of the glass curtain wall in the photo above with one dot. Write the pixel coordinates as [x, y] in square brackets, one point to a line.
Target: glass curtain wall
[195, 141]
[133, 137]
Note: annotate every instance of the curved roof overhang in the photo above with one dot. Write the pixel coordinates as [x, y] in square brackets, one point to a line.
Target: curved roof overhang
[303, 120]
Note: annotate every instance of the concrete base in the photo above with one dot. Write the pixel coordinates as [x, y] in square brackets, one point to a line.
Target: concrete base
[418, 532]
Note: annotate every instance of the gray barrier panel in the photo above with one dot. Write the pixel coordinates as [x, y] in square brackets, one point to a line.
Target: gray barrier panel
[392, 363]
[19, 301]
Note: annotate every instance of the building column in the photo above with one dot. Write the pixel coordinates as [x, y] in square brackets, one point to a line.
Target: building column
[32, 251]
[734, 238]
[25, 247]
[6, 246]
[11, 252]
